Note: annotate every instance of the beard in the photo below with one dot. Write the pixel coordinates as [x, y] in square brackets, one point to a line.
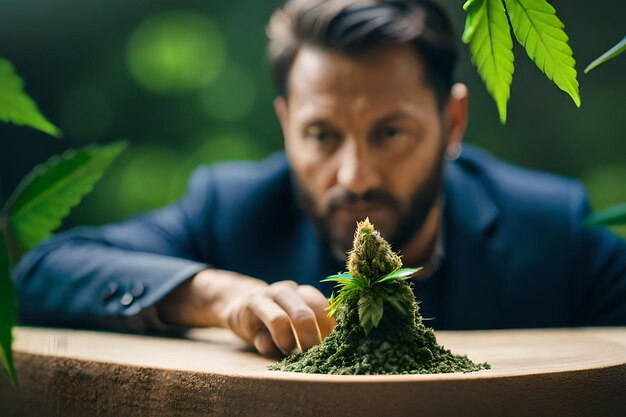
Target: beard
[406, 221]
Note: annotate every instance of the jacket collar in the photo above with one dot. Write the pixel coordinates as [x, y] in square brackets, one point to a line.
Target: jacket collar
[475, 264]
[466, 198]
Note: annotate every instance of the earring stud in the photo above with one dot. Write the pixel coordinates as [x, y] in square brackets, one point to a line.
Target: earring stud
[454, 151]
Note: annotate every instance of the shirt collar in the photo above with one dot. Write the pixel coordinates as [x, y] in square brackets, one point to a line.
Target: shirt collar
[431, 267]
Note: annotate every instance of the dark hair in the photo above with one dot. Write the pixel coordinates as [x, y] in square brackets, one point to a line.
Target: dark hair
[356, 26]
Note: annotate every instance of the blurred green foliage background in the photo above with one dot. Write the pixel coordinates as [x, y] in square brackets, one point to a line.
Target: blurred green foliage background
[188, 83]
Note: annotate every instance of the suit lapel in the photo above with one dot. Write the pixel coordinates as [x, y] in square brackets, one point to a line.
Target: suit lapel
[474, 263]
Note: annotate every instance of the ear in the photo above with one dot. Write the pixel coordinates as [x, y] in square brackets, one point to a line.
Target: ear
[456, 112]
[282, 113]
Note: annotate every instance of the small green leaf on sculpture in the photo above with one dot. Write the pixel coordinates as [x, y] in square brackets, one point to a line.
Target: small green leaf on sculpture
[337, 278]
[401, 301]
[370, 312]
[399, 274]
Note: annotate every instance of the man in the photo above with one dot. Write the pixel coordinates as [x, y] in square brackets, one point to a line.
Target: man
[373, 126]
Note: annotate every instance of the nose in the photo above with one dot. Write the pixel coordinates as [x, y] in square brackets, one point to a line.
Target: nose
[358, 171]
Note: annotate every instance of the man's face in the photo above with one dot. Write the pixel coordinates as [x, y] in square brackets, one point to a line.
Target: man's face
[364, 137]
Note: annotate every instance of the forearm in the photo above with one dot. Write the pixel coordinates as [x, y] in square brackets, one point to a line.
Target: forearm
[202, 300]
[80, 283]
[67, 281]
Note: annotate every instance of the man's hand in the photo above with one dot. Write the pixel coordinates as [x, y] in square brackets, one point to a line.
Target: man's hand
[274, 318]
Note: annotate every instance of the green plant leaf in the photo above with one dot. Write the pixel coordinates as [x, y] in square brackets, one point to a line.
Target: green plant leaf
[340, 281]
[397, 275]
[337, 278]
[472, 8]
[361, 282]
[340, 298]
[401, 300]
[347, 282]
[16, 106]
[47, 194]
[489, 37]
[370, 311]
[540, 32]
[7, 311]
[612, 216]
[610, 54]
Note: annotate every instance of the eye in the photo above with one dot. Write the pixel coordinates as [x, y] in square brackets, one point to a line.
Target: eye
[390, 132]
[321, 135]
[387, 132]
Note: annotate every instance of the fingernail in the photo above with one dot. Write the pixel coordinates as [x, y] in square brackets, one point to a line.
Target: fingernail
[319, 333]
[286, 348]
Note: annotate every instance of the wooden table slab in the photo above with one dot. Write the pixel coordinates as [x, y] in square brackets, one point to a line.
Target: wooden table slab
[554, 372]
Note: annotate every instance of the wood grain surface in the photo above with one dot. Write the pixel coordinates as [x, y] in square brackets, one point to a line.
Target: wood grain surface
[553, 372]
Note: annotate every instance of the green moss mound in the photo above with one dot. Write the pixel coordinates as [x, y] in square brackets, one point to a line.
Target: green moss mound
[396, 346]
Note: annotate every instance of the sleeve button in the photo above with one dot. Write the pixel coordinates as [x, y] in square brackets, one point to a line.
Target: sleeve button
[109, 291]
[138, 289]
[127, 299]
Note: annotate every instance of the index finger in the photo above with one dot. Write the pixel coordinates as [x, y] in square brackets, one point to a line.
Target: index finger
[302, 317]
[319, 304]
[277, 322]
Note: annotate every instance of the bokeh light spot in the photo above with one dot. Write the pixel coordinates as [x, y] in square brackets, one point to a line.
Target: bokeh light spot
[232, 96]
[176, 52]
[144, 177]
[224, 146]
[212, 147]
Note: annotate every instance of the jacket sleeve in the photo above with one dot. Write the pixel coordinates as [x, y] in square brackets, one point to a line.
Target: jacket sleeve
[602, 272]
[113, 276]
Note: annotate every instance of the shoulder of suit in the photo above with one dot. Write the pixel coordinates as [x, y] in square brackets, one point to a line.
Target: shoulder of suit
[241, 185]
[240, 173]
[243, 171]
[521, 188]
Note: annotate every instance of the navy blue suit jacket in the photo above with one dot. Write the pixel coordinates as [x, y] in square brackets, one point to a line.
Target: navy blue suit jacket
[516, 253]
